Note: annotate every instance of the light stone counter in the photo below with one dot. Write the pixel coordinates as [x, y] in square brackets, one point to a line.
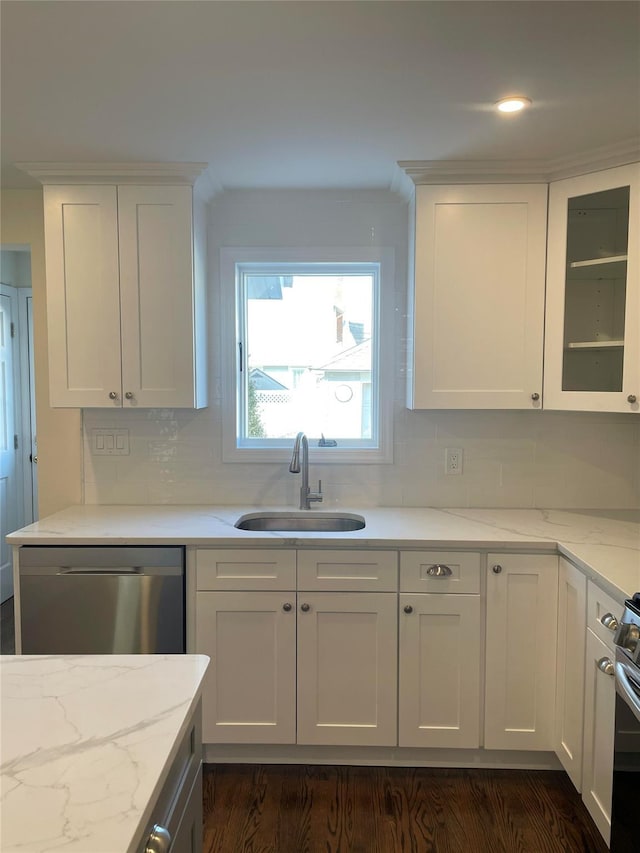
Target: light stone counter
[606, 544]
[87, 742]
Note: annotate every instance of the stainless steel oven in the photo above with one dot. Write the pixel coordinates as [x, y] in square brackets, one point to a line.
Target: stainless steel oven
[625, 821]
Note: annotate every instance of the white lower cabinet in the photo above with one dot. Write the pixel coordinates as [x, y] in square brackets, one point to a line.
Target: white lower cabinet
[249, 690]
[440, 666]
[599, 707]
[572, 616]
[347, 668]
[520, 679]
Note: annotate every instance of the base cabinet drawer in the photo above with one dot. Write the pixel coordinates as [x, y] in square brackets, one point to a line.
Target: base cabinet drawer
[439, 571]
[440, 666]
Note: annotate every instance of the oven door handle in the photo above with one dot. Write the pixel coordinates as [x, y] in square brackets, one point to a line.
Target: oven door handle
[626, 689]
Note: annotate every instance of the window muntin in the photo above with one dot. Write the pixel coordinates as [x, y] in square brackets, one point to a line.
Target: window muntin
[308, 342]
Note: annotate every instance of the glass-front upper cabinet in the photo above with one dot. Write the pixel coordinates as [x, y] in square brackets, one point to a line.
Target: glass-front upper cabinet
[592, 352]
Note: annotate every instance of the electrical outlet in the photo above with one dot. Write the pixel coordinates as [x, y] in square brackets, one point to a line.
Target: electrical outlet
[453, 460]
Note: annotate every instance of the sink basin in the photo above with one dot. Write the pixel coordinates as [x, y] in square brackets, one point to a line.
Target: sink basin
[314, 522]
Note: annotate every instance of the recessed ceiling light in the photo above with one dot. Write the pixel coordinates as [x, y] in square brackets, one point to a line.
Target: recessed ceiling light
[513, 105]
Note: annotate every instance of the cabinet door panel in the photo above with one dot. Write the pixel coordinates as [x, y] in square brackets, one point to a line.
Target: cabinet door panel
[599, 734]
[83, 295]
[479, 296]
[592, 329]
[156, 277]
[522, 603]
[572, 594]
[439, 686]
[347, 669]
[249, 689]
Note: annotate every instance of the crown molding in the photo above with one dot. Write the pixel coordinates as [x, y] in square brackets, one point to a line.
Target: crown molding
[110, 173]
[520, 171]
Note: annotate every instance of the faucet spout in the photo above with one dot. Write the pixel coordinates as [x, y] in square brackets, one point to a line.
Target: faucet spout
[300, 464]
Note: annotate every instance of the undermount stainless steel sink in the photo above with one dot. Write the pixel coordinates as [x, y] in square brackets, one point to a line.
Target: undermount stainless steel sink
[313, 522]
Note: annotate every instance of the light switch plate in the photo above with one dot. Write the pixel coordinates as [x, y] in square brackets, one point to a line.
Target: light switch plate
[110, 442]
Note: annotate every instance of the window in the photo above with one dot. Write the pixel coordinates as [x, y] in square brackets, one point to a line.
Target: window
[307, 353]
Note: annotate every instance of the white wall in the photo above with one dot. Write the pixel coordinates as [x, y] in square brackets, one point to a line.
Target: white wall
[518, 459]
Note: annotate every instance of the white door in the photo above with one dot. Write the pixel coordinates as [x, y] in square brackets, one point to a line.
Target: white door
[10, 485]
[347, 668]
[83, 296]
[439, 697]
[249, 689]
[156, 285]
[520, 681]
[572, 618]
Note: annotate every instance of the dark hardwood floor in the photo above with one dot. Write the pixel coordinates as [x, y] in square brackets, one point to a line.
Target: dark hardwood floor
[305, 809]
[7, 635]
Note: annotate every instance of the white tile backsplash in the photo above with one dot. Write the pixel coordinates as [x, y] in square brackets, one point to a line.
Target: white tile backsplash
[511, 459]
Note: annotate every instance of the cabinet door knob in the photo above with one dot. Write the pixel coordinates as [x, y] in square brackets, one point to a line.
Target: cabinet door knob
[113, 395]
[631, 398]
[286, 607]
[535, 396]
[497, 569]
[159, 841]
[305, 608]
[129, 395]
[606, 666]
[408, 608]
[609, 621]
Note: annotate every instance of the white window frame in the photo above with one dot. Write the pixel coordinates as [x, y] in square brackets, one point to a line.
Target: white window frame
[383, 355]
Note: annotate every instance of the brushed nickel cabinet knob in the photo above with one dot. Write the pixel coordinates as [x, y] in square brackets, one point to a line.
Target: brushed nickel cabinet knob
[631, 398]
[408, 608]
[113, 395]
[305, 608]
[535, 396]
[496, 569]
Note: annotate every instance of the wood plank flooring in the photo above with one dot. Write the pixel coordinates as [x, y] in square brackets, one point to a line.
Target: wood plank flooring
[305, 809]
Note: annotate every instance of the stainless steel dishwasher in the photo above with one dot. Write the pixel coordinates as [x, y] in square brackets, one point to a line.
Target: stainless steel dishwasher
[102, 600]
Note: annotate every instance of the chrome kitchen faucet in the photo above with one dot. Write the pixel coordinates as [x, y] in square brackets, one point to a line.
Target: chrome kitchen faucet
[296, 466]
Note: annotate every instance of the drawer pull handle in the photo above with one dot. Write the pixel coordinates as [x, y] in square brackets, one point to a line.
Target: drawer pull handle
[159, 841]
[439, 571]
[606, 666]
[609, 621]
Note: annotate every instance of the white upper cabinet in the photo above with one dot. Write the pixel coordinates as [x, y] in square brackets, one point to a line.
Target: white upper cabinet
[592, 350]
[476, 315]
[125, 295]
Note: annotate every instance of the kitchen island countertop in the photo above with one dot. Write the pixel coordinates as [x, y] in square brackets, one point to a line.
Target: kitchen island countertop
[87, 742]
[605, 544]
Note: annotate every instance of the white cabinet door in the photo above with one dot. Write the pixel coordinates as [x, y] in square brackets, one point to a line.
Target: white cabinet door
[522, 610]
[572, 608]
[477, 313]
[592, 332]
[599, 734]
[347, 668]
[249, 689]
[157, 302]
[83, 295]
[439, 692]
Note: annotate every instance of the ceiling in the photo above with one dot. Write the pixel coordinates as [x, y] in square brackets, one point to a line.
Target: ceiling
[313, 94]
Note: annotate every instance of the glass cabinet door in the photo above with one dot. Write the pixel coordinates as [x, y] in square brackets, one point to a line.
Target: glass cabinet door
[595, 291]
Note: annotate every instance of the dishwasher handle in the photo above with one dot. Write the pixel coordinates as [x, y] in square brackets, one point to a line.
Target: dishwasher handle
[103, 570]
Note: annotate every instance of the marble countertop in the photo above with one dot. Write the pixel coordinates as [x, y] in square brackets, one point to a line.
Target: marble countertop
[604, 544]
[87, 742]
